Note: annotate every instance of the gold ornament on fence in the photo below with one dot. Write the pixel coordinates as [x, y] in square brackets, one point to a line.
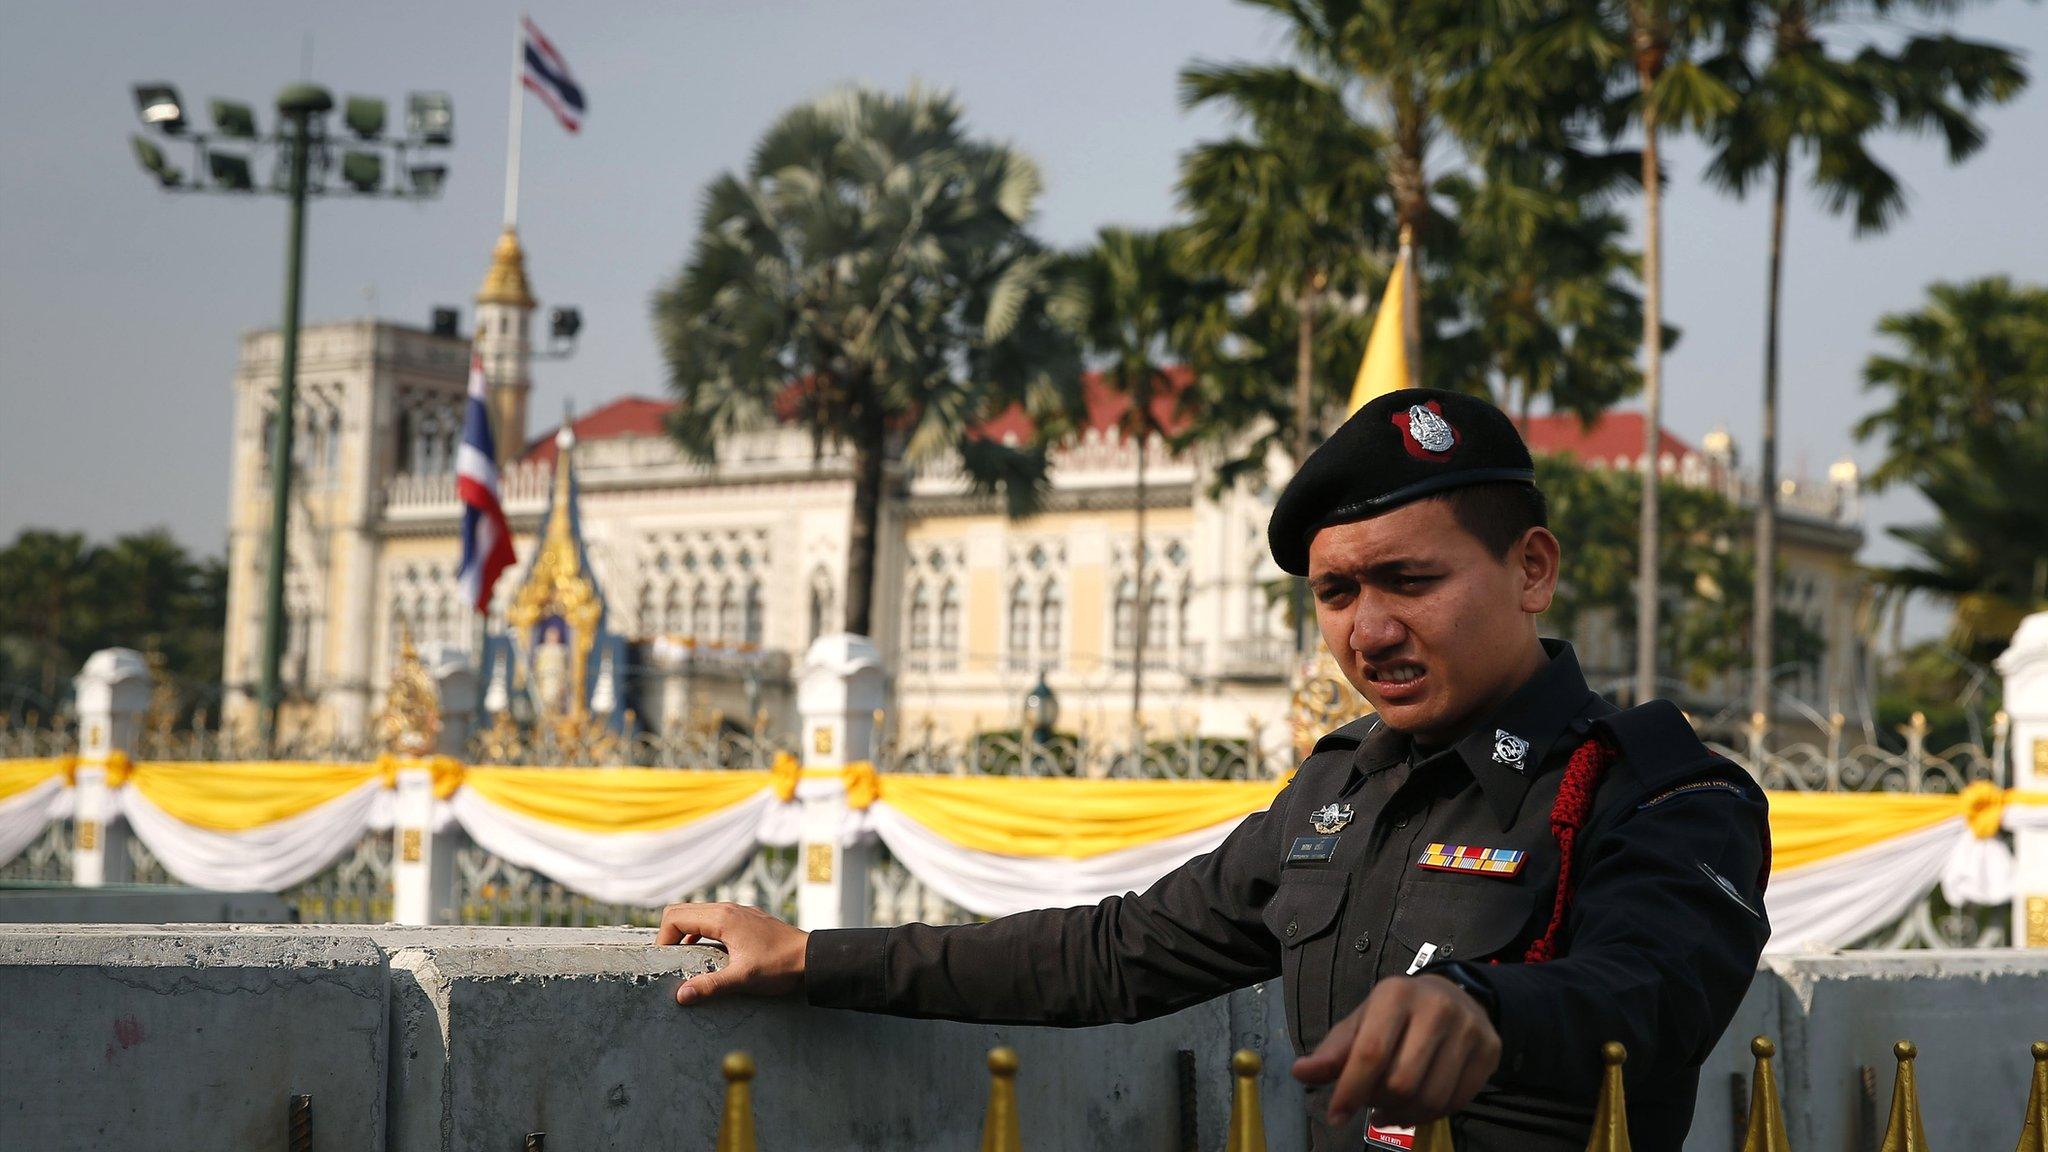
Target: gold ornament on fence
[1610, 1115]
[162, 714]
[736, 1126]
[1766, 1131]
[1323, 700]
[1000, 1130]
[2034, 1130]
[410, 724]
[1247, 1118]
[1903, 1132]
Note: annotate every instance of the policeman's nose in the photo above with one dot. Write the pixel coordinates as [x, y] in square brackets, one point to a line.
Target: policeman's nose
[1376, 634]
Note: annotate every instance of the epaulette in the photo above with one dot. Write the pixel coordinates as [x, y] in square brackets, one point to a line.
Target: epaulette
[1658, 746]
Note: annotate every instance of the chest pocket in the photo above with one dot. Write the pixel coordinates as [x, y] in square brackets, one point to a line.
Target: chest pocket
[1471, 918]
[1302, 916]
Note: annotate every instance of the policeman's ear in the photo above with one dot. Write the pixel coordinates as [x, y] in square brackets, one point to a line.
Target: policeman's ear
[1534, 560]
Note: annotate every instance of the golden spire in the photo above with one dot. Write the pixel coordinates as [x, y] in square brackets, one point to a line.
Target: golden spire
[999, 1129]
[736, 1127]
[1903, 1132]
[2034, 1133]
[1610, 1116]
[1766, 1132]
[505, 283]
[410, 724]
[1435, 1136]
[1247, 1131]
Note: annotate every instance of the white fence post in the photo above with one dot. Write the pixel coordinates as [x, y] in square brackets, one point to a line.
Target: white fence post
[423, 855]
[839, 688]
[112, 690]
[2025, 669]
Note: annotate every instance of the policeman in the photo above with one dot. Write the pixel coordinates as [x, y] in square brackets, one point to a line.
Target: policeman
[1464, 894]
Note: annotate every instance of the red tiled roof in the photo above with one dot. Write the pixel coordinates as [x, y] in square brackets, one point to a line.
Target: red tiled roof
[1612, 436]
[638, 416]
[628, 416]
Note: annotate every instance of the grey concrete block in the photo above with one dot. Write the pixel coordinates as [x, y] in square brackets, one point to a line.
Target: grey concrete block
[137, 904]
[169, 1040]
[587, 1044]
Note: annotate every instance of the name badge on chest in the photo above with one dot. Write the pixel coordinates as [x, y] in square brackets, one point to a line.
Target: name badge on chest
[1312, 849]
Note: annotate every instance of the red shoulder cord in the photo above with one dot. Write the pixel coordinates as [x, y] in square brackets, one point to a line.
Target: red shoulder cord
[1567, 817]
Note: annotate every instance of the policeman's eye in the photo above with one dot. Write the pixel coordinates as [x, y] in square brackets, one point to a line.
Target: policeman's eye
[1333, 593]
[1413, 582]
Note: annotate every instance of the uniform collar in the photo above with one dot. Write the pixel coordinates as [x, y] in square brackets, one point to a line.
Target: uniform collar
[1540, 712]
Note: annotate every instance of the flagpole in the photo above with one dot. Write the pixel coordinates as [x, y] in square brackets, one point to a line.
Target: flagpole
[518, 106]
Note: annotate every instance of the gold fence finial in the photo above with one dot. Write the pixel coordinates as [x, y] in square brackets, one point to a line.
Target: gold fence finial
[1434, 1136]
[736, 1127]
[1247, 1132]
[999, 1129]
[1766, 1131]
[1610, 1116]
[1904, 1132]
[2034, 1133]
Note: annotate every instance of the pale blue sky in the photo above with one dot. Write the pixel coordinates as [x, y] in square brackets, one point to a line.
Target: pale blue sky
[120, 306]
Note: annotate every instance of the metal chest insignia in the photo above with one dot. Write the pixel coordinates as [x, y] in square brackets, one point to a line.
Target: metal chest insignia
[1509, 749]
[1503, 862]
[1330, 819]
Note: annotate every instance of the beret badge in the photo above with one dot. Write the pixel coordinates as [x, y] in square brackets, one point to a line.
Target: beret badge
[1424, 431]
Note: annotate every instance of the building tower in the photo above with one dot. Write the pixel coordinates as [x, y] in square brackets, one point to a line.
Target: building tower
[504, 308]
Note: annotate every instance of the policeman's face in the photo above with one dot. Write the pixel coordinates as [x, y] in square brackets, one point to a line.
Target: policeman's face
[1426, 622]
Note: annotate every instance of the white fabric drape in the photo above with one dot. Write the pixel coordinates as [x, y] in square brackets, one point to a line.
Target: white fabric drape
[268, 858]
[24, 815]
[988, 884]
[1842, 899]
[644, 868]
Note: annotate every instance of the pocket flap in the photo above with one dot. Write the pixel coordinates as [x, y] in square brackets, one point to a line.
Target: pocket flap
[1466, 917]
[1305, 907]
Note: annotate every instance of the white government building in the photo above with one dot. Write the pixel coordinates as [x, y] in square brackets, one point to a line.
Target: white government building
[715, 577]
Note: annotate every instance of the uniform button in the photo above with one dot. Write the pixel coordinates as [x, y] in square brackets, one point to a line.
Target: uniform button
[1291, 929]
[1363, 942]
[1401, 823]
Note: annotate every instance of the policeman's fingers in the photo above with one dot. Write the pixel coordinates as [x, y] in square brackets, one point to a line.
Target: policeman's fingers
[1428, 1044]
[689, 923]
[1384, 1021]
[705, 985]
[1322, 1065]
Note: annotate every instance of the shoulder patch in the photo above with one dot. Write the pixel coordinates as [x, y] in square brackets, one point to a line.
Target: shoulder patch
[1688, 789]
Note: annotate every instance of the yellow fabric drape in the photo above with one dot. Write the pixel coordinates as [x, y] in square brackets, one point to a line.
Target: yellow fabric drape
[1807, 827]
[233, 797]
[614, 799]
[18, 776]
[1015, 816]
[447, 772]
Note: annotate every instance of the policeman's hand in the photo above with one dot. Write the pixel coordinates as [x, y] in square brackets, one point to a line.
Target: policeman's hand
[764, 956]
[1419, 1047]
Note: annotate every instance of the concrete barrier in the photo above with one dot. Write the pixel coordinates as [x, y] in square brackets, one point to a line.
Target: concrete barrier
[438, 1039]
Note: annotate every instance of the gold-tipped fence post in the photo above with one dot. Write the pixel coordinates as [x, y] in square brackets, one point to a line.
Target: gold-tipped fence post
[1435, 1136]
[2034, 1132]
[1247, 1117]
[1610, 1116]
[1904, 1132]
[1000, 1131]
[736, 1126]
[1766, 1131]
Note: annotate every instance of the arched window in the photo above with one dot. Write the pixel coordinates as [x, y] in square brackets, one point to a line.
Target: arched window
[821, 620]
[1051, 620]
[700, 613]
[332, 459]
[672, 622]
[920, 618]
[1187, 599]
[751, 630]
[1124, 617]
[729, 614]
[1020, 625]
[1157, 608]
[949, 618]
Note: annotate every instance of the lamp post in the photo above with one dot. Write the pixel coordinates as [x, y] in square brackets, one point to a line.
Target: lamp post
[302, 162]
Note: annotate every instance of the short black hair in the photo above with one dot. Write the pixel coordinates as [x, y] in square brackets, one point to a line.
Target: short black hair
[1497, 513]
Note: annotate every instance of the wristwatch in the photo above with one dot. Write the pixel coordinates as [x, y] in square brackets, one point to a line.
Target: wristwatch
[1456, 973]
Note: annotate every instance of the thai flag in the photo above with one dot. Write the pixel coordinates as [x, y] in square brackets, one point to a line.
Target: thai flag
[486, 540]
[547, 74]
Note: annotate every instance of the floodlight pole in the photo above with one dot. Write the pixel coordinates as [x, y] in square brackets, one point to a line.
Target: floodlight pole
[298, 105]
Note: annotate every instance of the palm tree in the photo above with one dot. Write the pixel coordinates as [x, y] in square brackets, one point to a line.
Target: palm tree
[1826, 107]
[1292, 209]
[871, 277]
[46, 596]
[1660, 64]
[1144, 307]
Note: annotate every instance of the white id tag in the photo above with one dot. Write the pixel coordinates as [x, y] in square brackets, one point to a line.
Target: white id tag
[1422, 957]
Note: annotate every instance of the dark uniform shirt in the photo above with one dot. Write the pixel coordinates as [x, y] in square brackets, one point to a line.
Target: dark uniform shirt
[1661, 940]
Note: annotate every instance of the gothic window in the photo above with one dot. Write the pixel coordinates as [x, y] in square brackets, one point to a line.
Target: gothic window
[728, 614]
[648, 624]
[700, 613]
[821, 603]
[949, 618]
[331, 459]
[1051, 613]
[673, 623]
[1157, 606]
[1181, 610]
[407, 455]
[1124, 617]
[920, 618]
[1020, 624]
[753, 615]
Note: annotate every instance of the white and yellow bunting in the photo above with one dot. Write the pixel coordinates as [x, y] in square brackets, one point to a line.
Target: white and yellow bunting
[1844, 864]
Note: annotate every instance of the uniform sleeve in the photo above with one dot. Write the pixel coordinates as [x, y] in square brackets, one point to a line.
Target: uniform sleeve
[1193, 935]
[1662, 942]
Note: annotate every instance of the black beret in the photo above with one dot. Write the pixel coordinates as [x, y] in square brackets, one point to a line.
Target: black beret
[1400, 447]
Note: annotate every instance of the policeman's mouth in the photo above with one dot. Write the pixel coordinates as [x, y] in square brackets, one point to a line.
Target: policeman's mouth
[1398, 682]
